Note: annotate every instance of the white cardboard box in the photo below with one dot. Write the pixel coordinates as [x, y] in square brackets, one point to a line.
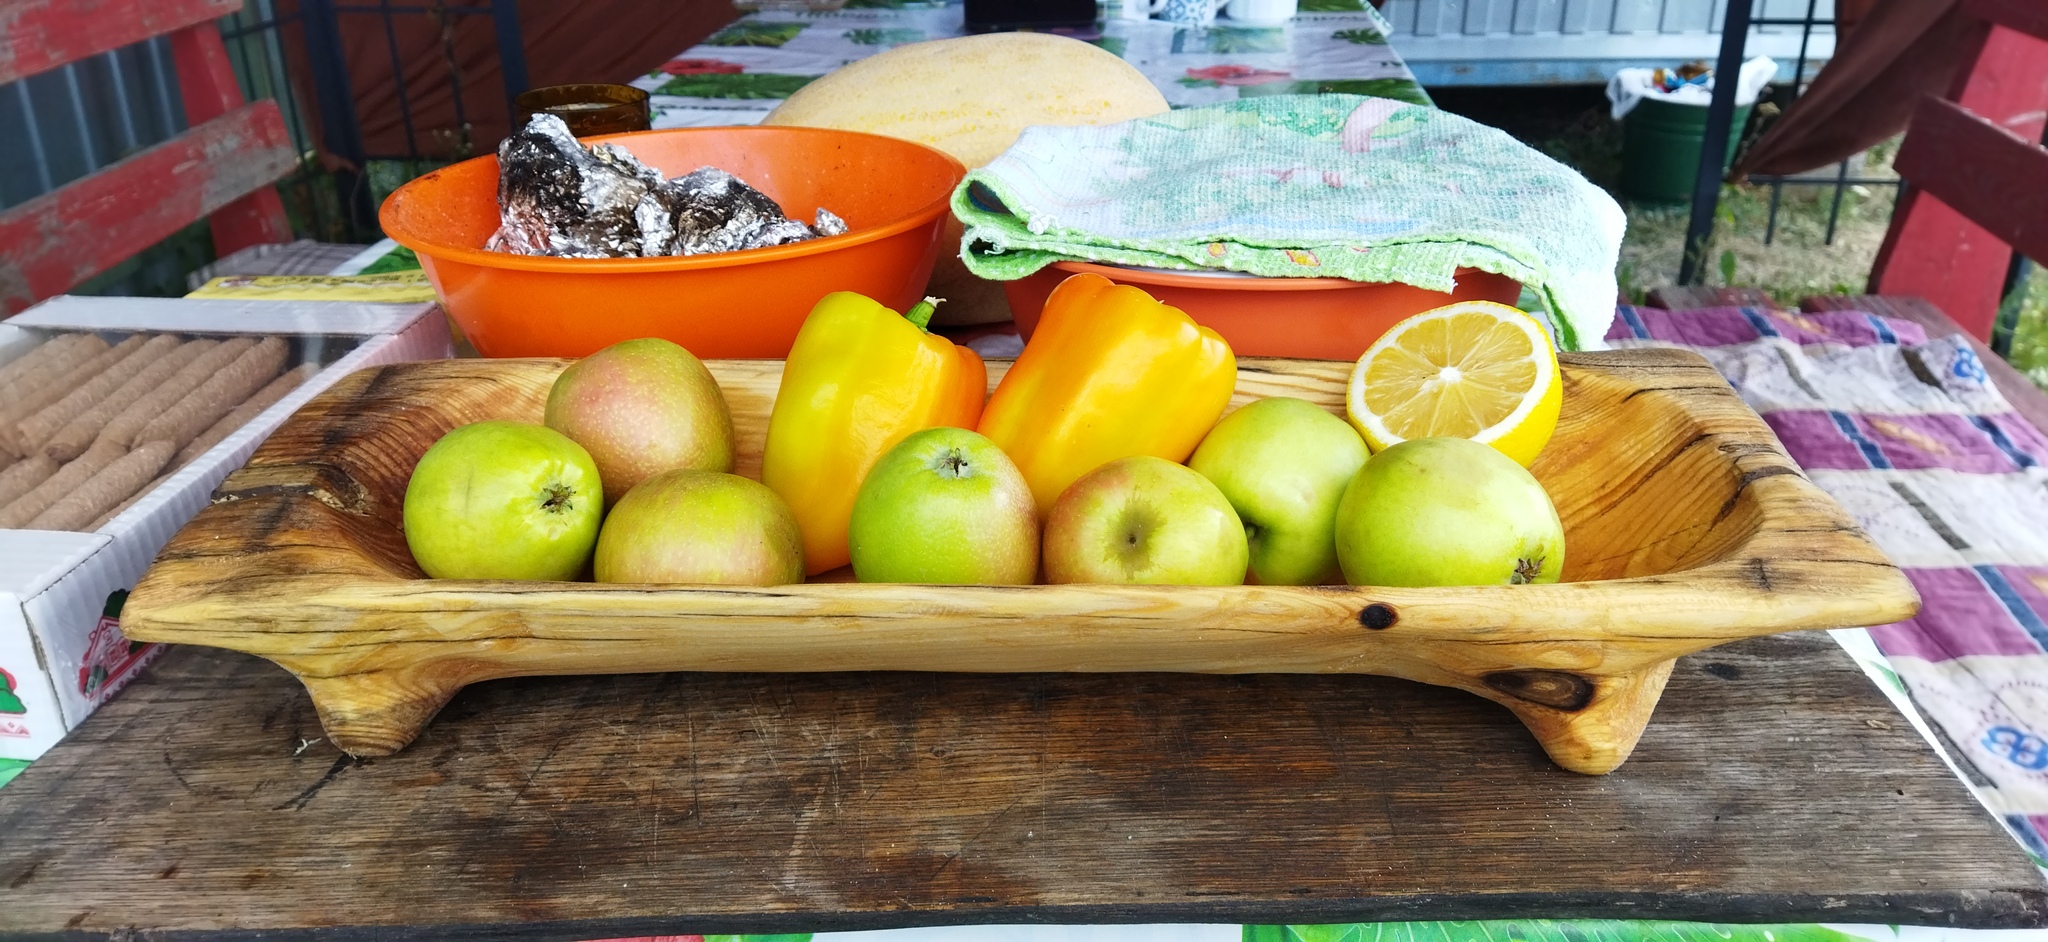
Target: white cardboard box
[61, 649]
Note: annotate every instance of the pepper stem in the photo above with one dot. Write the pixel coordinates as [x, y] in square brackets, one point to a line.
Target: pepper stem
[921, 313]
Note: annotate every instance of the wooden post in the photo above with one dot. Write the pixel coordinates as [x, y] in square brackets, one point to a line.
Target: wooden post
[206, 83]
[1932, 250]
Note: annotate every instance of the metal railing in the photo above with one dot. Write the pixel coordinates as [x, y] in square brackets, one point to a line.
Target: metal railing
[61, 125]
[67, 123]
[342, 198]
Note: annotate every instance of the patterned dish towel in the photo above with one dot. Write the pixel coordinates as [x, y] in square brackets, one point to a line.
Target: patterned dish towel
[1914, 441]
[1345, 186]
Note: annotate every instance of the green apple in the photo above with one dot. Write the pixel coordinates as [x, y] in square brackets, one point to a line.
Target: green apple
[503, 500]
[945, 507]
[1144, 521]
[1447, 511]
[1284, 463]
[700, 527]
[642, 407]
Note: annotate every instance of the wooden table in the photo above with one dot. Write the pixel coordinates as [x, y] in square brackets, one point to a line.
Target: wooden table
[1775, 784]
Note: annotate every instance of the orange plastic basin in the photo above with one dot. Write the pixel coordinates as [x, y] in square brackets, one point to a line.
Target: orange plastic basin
[1310, 318]
[892, 194]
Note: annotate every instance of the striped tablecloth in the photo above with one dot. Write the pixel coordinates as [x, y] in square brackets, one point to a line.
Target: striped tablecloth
[1908, 433]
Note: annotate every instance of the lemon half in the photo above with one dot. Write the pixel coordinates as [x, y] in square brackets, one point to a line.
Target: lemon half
[1475, 369]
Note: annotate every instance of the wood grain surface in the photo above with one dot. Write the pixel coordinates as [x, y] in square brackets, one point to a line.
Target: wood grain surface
[1686, 527]
[1779, 785]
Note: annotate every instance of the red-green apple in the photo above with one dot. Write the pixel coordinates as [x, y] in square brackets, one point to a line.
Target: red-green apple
[700, 527]
[1284, 463]
[503, 500]
[641, 407]
[1447, 511]
[1144, 521]
[945, 507]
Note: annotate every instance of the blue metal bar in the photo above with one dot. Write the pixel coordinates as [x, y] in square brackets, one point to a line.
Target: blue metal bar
[1835, 211]
[412, 143]
[91, 153]
[2011, 300]
[511, 52]
[1805, 36]
[455, 90]
[2017, 273]
[262, 25]
[286, 97]
[1706, 190]
[35, 138]
[164, 85]
[403, 8]
[1816, 181]
[128, 138]
[335, 99]
[1771, 221]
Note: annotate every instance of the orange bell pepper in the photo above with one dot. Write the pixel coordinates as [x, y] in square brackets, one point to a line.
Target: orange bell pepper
[1109, 373]
[859, 379]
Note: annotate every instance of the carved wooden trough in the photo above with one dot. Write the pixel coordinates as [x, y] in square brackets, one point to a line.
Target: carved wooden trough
[1686, 527]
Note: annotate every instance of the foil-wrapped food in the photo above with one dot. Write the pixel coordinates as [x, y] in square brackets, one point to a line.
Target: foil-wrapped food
[556, 197]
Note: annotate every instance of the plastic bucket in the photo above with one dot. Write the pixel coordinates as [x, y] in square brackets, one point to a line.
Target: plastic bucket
[1660, 149]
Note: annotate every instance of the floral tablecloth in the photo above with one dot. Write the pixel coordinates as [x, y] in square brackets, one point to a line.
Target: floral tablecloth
[746, 69]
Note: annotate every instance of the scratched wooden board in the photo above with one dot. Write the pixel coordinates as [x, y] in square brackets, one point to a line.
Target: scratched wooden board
[43, 34]
[1777, 784]
[57, 240]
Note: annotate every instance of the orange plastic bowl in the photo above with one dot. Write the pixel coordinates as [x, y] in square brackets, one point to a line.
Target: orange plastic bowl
[1310, 318]
[892, 194]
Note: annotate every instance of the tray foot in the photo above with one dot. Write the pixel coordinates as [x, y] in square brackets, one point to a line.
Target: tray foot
[377, 713]
[1586, 724]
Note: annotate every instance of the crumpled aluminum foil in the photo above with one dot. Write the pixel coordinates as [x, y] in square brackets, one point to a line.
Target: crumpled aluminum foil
[557, 198]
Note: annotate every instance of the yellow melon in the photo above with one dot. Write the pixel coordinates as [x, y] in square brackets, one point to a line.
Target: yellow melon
[973, 95]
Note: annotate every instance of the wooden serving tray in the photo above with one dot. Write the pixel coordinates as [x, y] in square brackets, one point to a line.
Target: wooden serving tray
[1686, 526]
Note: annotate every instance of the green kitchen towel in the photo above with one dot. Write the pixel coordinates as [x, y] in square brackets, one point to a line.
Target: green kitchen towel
[1345, 186]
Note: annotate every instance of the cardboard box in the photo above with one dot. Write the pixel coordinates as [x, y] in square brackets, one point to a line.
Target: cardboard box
[61, 649]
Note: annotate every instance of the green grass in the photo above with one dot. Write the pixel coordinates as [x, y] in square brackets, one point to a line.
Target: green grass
[2030, 339]
[398, 259]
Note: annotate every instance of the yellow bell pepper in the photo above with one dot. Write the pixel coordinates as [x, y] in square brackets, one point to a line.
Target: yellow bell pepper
[1109, 373]
[859, 379]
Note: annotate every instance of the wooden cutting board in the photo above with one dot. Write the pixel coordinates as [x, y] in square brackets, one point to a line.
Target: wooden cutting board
[1776, 784]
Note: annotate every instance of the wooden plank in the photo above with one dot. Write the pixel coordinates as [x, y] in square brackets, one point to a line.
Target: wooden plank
[1687, 526]
[1778, 785]
[55, 241]
[207, 84]
[2027, 399]
[39, 35]
[1675, 298]
[2026, 16]
[1933, 251]
[1995, 178]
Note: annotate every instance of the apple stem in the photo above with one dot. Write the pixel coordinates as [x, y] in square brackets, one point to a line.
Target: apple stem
[921, 313]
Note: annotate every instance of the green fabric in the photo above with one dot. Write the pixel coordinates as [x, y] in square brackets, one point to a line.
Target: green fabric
[9, 768]
[1345, 186]
[398, 259]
